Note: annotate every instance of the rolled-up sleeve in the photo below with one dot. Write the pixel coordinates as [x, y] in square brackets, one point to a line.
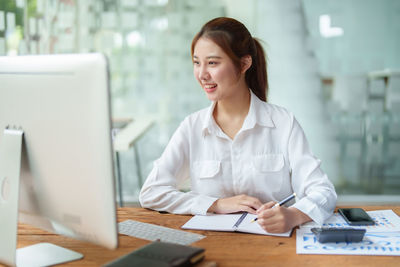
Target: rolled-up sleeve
[316, 194]
[160, 190]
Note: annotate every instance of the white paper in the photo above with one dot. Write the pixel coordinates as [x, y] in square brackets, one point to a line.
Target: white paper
[374, 243]
[385, 221]
[213, 222]
[253, 227]
[226, 222]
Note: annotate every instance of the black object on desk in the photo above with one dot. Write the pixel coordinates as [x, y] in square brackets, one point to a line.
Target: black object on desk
[356, 216]
[325, 235]
[160, 254]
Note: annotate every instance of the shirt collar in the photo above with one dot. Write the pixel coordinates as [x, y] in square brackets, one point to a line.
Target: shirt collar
[209, 124]
[258, 114]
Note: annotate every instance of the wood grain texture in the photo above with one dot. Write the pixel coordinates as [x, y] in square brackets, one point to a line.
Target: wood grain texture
[226, 249]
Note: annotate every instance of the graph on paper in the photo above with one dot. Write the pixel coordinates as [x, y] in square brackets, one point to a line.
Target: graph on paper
[373, 243]
[385, 221]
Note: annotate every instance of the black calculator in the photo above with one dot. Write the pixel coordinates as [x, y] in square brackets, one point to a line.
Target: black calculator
[331, 234]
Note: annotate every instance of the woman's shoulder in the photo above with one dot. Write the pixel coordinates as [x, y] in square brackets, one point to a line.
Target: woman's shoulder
[199, 114]
[277, 111]
[197, 117]
[282, 118]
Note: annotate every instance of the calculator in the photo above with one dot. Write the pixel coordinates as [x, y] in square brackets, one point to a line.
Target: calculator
[331, 234]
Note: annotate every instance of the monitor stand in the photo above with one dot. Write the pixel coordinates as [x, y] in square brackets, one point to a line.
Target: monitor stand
[42, 254]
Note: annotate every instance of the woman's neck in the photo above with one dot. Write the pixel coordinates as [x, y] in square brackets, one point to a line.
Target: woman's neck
[230, 113]
[235, 106]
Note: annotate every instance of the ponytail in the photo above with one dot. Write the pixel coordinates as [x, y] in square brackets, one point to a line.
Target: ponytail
[256, 75]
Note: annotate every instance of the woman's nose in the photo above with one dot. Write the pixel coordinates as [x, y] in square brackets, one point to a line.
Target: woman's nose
[204, 74]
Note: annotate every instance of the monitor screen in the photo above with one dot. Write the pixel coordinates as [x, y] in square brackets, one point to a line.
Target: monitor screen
[61, 103]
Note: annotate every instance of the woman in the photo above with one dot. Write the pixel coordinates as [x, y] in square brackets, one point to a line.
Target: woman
[241, 152]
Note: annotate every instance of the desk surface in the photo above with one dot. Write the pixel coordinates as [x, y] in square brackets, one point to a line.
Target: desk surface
[227, 249]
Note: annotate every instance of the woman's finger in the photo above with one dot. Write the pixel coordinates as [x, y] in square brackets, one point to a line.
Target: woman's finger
[253, 203]
[266, 206]
[247, 209]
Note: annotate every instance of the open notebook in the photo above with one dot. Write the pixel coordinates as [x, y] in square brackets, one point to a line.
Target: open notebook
[240, 222]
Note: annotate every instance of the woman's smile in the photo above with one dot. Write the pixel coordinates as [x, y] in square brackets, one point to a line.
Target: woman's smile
[210, 87]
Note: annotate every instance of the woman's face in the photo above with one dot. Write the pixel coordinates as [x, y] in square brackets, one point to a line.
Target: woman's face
[214, 70]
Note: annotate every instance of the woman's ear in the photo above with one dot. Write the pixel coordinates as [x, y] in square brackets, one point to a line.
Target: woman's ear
[246, 62]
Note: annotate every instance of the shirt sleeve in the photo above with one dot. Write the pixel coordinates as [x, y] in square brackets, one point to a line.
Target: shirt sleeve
[316, 193]
[160, 190]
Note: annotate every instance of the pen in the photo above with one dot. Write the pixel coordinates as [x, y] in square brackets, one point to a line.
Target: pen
[280, 203]
[240, 220]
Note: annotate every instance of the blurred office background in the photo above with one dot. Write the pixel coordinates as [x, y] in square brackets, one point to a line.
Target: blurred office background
[334, 63]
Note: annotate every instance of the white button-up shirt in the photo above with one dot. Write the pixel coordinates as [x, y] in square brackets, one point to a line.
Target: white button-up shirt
[269, 158]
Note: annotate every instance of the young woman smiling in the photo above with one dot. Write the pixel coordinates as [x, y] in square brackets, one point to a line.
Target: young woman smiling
[241, 153]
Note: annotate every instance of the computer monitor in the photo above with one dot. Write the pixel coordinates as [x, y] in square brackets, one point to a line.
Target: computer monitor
[56, 157]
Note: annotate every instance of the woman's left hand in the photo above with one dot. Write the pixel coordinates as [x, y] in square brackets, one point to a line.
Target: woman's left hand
[279, 219]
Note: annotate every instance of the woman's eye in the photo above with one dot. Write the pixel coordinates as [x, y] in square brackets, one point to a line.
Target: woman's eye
[212, 63]
[196, 63]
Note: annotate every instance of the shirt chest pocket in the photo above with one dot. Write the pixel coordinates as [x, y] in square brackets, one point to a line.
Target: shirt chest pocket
[206, 169]
[268, 169]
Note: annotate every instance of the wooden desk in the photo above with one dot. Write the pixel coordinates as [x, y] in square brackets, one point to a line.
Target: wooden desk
[227, 249]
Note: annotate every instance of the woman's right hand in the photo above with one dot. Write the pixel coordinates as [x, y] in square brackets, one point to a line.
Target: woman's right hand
[235, 204]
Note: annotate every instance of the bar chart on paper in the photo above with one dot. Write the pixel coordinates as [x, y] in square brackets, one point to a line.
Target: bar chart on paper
[385, 221]
[380, 243]
[382, 238]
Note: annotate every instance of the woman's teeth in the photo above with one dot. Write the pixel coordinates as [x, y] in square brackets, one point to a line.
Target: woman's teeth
[210, 86]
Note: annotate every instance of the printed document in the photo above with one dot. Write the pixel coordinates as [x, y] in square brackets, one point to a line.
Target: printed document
[382, 238]
[385, 221]
[379, 243]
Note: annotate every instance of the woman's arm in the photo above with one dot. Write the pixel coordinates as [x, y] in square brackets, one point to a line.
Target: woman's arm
[160, 191]
[235, 204]
[316, 194]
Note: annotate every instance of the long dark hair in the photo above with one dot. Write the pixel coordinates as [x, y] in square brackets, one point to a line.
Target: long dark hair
[236, 41]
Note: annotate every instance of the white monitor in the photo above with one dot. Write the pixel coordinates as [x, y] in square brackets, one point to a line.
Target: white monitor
[56, 157]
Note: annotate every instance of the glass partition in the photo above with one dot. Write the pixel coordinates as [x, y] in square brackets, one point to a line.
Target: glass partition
[335, 64]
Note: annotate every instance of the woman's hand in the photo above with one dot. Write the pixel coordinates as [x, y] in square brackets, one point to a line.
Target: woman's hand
[236, 204]
[279, 219]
